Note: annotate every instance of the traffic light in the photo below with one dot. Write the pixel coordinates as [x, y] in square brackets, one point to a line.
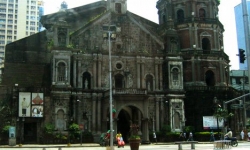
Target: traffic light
[242, 55]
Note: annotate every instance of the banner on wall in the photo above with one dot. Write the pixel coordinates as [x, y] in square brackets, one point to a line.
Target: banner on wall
[24, 104]
[37, 105]
[31, 104]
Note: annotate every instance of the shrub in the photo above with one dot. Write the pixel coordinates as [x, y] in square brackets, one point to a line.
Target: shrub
[49, 128]
[74, 131]
[5, 129]
[188, 129]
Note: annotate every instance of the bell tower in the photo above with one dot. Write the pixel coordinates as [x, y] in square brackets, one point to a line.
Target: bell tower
[200, 38]
[117, 6]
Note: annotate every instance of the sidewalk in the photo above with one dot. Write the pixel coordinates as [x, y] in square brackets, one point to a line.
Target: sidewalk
[54, 145]
[91, 144]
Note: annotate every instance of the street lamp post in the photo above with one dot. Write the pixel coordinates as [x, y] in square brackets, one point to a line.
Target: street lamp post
[110, 29]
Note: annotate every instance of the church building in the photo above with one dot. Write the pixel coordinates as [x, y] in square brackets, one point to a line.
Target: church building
[164, 74]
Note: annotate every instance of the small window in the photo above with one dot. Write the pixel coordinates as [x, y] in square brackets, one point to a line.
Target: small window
[206, 44]
[61, 71]
[118, 8]
[180, 16]
[202, 14]
[119, 66]
[118, 46]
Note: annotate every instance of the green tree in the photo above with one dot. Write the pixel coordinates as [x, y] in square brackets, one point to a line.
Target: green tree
[5, 111]
[222, 114]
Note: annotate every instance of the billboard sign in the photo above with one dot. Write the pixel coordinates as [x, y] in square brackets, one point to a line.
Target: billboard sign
[210, 122]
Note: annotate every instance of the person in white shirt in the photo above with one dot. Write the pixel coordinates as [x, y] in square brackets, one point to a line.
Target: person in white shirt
[242, 135]
[229, 135]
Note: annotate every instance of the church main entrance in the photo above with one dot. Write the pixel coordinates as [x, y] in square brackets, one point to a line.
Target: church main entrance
[128, 115]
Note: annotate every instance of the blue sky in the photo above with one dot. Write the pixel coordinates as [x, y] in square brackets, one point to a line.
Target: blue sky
[147, 9]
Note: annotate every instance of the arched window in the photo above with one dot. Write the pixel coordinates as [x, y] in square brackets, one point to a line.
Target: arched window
[61, 72]
[149, 82]
[206, 45]
[180, 16]
[202, 14]
[164, 18]
[86, 80]
[175, 74]
[62, 32]
[119, 81]
[209, 78]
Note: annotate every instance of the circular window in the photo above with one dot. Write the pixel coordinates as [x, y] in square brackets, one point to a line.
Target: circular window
[119, 66]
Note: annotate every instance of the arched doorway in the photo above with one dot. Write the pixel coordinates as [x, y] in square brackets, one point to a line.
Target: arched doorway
[127, 116]
[123, 124]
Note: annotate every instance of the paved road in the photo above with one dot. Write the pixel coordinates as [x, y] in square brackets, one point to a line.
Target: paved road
[241, 146]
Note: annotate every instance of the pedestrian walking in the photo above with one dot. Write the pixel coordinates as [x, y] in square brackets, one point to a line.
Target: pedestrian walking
[155, 138]
[242, 135]
[190, 137]
[212, 136]
[181, 137]
[184, 135]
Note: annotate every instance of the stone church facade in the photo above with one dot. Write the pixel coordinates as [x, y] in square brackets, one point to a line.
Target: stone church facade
[153, 66]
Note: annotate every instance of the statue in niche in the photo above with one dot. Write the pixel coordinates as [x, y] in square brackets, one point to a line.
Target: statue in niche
[86, 84]
[173, 46]
[60, 120]
[62, 39]
[130, 81]
[106, 82]
[148, 85]
[177, 120]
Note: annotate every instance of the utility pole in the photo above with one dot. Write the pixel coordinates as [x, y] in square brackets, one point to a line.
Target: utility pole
[244, 99]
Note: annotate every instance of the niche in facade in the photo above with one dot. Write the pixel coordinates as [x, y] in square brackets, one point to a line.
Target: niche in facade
[86, 79]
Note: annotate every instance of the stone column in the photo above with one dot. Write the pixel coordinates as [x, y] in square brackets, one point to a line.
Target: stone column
[138, 69]
[216, 44]
[75, 107]
[99, 77]
[157, 115]
[196, 35]
[74, 73]
[162, 104]
[156, 75]
[99, 113]
[143, 82]
[191, 35]
[160, 75]
[145, 132]
[222, 72]
[94, 74]
[79, 74]
[139, 120]
[193, 68]
[198, 68]
[94, 97]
